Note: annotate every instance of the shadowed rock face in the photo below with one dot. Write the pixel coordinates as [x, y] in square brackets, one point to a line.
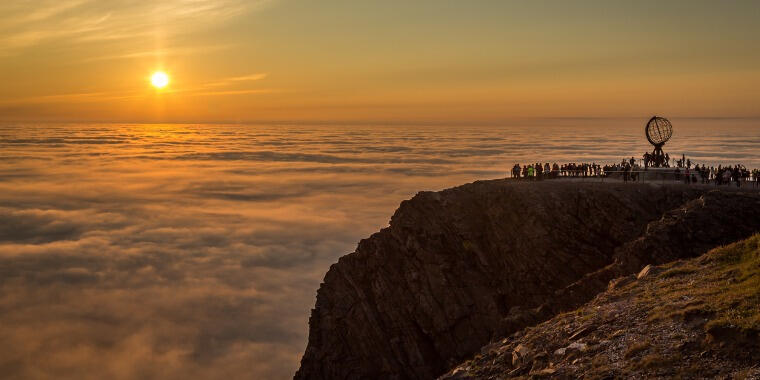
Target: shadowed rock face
[459, 267]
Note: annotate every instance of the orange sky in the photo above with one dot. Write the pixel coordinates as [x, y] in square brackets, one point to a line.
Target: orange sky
[430, 61]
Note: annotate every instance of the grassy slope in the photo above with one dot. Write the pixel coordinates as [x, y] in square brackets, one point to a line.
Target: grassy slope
[690, 318]
[727, 293]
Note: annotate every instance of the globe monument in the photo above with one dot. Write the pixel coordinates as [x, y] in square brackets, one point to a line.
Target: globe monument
[658, 131]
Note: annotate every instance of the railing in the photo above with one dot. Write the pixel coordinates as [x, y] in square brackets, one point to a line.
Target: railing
[638, 177]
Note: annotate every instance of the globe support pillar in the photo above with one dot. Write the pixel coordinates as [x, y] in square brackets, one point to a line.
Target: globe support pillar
[658, 156]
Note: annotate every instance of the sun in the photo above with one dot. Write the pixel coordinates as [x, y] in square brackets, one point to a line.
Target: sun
[159, 79]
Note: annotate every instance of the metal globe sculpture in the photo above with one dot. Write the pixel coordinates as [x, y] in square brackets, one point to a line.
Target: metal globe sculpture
[658, 131]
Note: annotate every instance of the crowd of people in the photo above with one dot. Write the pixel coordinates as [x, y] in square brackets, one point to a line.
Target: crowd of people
[722, 175]
[541, 171]
[629, 170]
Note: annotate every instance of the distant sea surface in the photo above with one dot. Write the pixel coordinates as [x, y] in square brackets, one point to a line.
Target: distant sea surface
[195, 251]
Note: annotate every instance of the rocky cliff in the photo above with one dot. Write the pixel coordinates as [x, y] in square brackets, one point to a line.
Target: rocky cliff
[458, 268]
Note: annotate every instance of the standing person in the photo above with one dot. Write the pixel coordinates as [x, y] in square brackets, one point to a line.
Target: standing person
[736, 174]
[531, 172]
[687, 176]
[516, 171]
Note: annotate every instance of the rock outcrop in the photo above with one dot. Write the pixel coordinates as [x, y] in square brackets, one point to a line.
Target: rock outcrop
[458, 268]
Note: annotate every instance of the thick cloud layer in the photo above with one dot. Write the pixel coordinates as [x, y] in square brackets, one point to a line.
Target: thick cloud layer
[194, 251]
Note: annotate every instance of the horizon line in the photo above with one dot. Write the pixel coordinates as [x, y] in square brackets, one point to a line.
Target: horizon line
[376, 122]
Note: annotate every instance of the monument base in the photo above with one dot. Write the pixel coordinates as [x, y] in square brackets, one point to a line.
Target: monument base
[665, 174]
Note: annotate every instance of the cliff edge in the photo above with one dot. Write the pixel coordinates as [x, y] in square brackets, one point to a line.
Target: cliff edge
[459, 268]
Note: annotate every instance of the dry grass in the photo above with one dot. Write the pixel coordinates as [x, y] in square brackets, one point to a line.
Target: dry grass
[743, 375]
[656, 360]
[680, 271]
[637, 348]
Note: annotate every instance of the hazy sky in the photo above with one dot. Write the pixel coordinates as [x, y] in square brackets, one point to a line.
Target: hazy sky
[433, 60]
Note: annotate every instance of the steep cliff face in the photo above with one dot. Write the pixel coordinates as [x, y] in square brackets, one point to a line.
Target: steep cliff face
[460, 267]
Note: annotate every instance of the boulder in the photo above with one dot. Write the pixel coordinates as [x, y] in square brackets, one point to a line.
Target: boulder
[520, 355]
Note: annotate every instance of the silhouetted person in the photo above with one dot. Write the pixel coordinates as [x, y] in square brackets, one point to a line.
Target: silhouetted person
[736, 176]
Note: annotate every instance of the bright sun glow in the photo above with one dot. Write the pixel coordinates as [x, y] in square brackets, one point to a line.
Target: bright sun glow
[159, 79]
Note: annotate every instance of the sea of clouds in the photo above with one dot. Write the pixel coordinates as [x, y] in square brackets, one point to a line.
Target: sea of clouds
[195, 251]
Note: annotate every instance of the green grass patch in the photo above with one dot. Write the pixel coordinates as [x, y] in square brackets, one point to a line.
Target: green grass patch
[737, 278]
[722, 286]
